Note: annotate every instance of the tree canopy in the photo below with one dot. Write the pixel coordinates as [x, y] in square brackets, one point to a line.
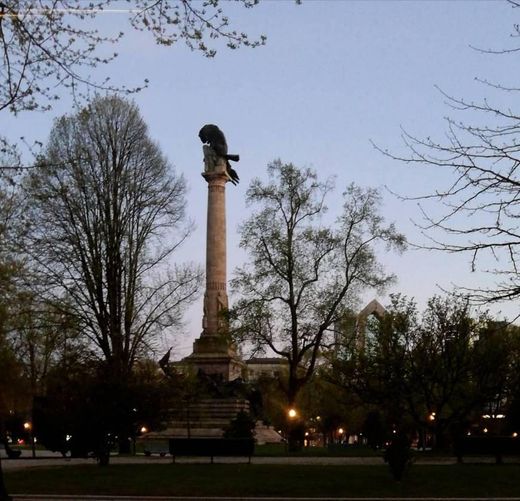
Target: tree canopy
[437, 370]
[302, 273]
[105, 211]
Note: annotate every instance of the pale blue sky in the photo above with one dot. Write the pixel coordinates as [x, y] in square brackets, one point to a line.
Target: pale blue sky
[333, 76]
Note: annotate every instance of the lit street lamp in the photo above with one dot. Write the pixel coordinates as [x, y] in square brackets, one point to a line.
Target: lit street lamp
[292, 416]
[27, 426]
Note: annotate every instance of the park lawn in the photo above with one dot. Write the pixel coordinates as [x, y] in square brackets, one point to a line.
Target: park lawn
[279, 450]
[462, 480]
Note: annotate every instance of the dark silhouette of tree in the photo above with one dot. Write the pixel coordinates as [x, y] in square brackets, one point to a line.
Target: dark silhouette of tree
[434, 371]
[303, 274]
[12, 385]
[99, 205]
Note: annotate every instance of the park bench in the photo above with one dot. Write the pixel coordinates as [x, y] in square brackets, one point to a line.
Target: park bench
[212, 447]
[498, 446]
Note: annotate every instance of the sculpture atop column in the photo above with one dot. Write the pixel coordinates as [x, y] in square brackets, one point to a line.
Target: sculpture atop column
[212, 135]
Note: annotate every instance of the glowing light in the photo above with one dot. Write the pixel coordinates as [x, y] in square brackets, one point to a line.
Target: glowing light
[27, 426]
[501, 416]
[318, 418]
[341, 431]
[143, 429]
[485, 430]
[292, 413]
[515, 434]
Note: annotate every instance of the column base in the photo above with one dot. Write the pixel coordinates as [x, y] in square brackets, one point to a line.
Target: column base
[213, 356]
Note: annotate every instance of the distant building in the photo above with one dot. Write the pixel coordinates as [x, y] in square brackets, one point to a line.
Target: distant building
[355, 328]
[265, 367]
[374, 308]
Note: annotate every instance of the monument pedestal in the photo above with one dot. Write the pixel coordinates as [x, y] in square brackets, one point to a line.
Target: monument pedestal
[214, 356]
[205, 418]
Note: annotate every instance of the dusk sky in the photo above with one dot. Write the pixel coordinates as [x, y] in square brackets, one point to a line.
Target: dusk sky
[334, 77]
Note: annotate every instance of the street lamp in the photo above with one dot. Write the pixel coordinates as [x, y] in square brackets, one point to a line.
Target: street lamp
[27, 426]
[292, 416]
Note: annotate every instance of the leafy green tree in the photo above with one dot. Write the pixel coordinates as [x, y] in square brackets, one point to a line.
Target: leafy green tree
[434, 371]
[85, 413]
[42, 335]
[376, 370]
[303, 273]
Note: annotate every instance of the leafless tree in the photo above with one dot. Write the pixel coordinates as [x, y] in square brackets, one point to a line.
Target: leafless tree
[104, 213]
[477, 211]
[47, 45]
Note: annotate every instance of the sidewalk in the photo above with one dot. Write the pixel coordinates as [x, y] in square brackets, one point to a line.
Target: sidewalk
[163, 498]
[15, 464]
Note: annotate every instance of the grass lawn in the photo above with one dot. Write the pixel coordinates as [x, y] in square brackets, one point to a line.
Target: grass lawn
[463, 480]
[337, 451]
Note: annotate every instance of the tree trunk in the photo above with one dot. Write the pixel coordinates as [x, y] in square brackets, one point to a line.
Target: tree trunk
[4, 496]
[123, 443]
[103, 455]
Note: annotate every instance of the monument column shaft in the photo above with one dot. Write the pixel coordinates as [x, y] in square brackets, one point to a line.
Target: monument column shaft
[213, 353]
[215, 298]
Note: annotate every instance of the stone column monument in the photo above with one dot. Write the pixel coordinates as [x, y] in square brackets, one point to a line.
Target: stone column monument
[218, 401]
[213, 353]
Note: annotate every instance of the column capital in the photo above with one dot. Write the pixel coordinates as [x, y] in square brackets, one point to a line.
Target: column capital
[216, 177]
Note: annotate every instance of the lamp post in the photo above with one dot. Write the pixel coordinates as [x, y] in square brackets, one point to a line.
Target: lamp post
[27, 426]
[292, 415]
